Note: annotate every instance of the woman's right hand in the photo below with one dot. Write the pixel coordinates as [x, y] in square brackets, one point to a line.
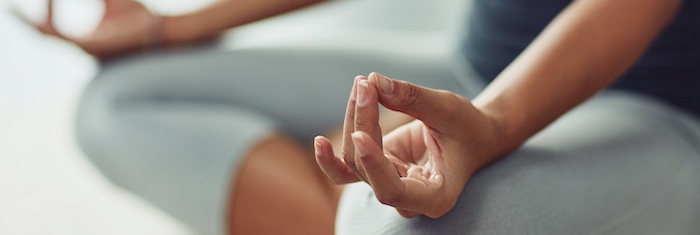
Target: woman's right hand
[126, 26]
[423, 166]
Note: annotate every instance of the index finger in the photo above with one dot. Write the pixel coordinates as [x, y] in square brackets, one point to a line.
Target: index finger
[367, 111]
[348, 149]
[367, 117]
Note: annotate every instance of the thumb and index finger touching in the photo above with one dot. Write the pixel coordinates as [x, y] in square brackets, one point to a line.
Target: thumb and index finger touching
[361, 119]
[363, 115]
[426, 104]
[420, 102]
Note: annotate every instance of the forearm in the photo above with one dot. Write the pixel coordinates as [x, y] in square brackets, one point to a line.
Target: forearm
[222, 15]
[582, 51]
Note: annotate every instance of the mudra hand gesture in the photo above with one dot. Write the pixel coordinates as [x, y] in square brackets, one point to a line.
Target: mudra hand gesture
[420, 167]
[126, 26]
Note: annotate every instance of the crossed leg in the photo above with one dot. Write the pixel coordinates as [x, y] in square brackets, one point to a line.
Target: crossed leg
[280, 190]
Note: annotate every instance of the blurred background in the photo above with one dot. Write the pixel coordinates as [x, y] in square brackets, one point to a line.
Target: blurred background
[48, 187]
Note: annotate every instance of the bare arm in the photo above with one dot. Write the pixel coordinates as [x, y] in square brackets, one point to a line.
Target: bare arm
[221, 15]
[587, 47]
[422, 167]
[128, 26]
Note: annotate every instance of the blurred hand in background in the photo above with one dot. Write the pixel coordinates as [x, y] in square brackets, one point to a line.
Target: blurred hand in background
[126, 26]
[129, 26]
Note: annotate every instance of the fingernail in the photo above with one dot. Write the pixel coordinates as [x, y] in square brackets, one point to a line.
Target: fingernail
[318, 147]
[359, 142]
[385, 85]
[353, 91]
[362, 93]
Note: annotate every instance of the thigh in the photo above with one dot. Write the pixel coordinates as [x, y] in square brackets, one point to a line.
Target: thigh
[280, 190]
[174, 129]
[615, 165]
[180, 157]
[304, 90]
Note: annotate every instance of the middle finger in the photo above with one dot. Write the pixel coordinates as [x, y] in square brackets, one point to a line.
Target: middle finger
[367, 116]
[348, 149]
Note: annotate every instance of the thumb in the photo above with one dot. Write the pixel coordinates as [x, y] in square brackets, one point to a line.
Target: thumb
[431, 106]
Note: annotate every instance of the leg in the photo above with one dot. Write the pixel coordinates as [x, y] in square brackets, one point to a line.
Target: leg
[195, 161]
[178, 156]
[279, 190]
[616, 165]
[290, 86]
[176, 130]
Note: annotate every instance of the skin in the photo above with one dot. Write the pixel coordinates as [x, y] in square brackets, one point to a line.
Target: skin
[279, 190]
[422, 167]
[128, 26]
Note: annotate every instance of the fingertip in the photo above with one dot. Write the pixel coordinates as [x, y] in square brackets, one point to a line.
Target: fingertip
[353, 91]
[358, 135]
[323, 148]
[319, 138]
[318, 148]
[385, 85]
[367, 149]
[332, 166]
[373, 74]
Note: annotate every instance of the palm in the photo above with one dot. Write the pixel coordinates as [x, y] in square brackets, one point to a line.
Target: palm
[124, 27]
[416, 152]
[123, 19]
[420, 167]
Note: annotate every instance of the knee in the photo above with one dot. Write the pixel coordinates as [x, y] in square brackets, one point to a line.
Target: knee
[96, 107]
[97, 124]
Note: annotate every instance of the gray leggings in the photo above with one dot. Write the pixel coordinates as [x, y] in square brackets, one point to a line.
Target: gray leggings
[173, 128]
[618, 164]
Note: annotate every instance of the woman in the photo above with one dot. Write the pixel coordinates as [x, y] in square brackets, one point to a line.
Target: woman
[625, 162]
[622, 163]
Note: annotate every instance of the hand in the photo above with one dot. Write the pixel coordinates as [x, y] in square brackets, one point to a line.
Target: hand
[126, 26]
[421, 167]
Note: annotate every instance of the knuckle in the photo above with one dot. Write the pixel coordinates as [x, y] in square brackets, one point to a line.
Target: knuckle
[389, 198]
[410, 96]
[361, 122]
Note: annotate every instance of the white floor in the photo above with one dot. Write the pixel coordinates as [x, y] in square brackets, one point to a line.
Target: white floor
[48, 187]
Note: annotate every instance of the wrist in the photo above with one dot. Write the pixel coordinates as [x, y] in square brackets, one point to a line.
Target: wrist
[502, 123]
[155, 32]
[184, 29]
